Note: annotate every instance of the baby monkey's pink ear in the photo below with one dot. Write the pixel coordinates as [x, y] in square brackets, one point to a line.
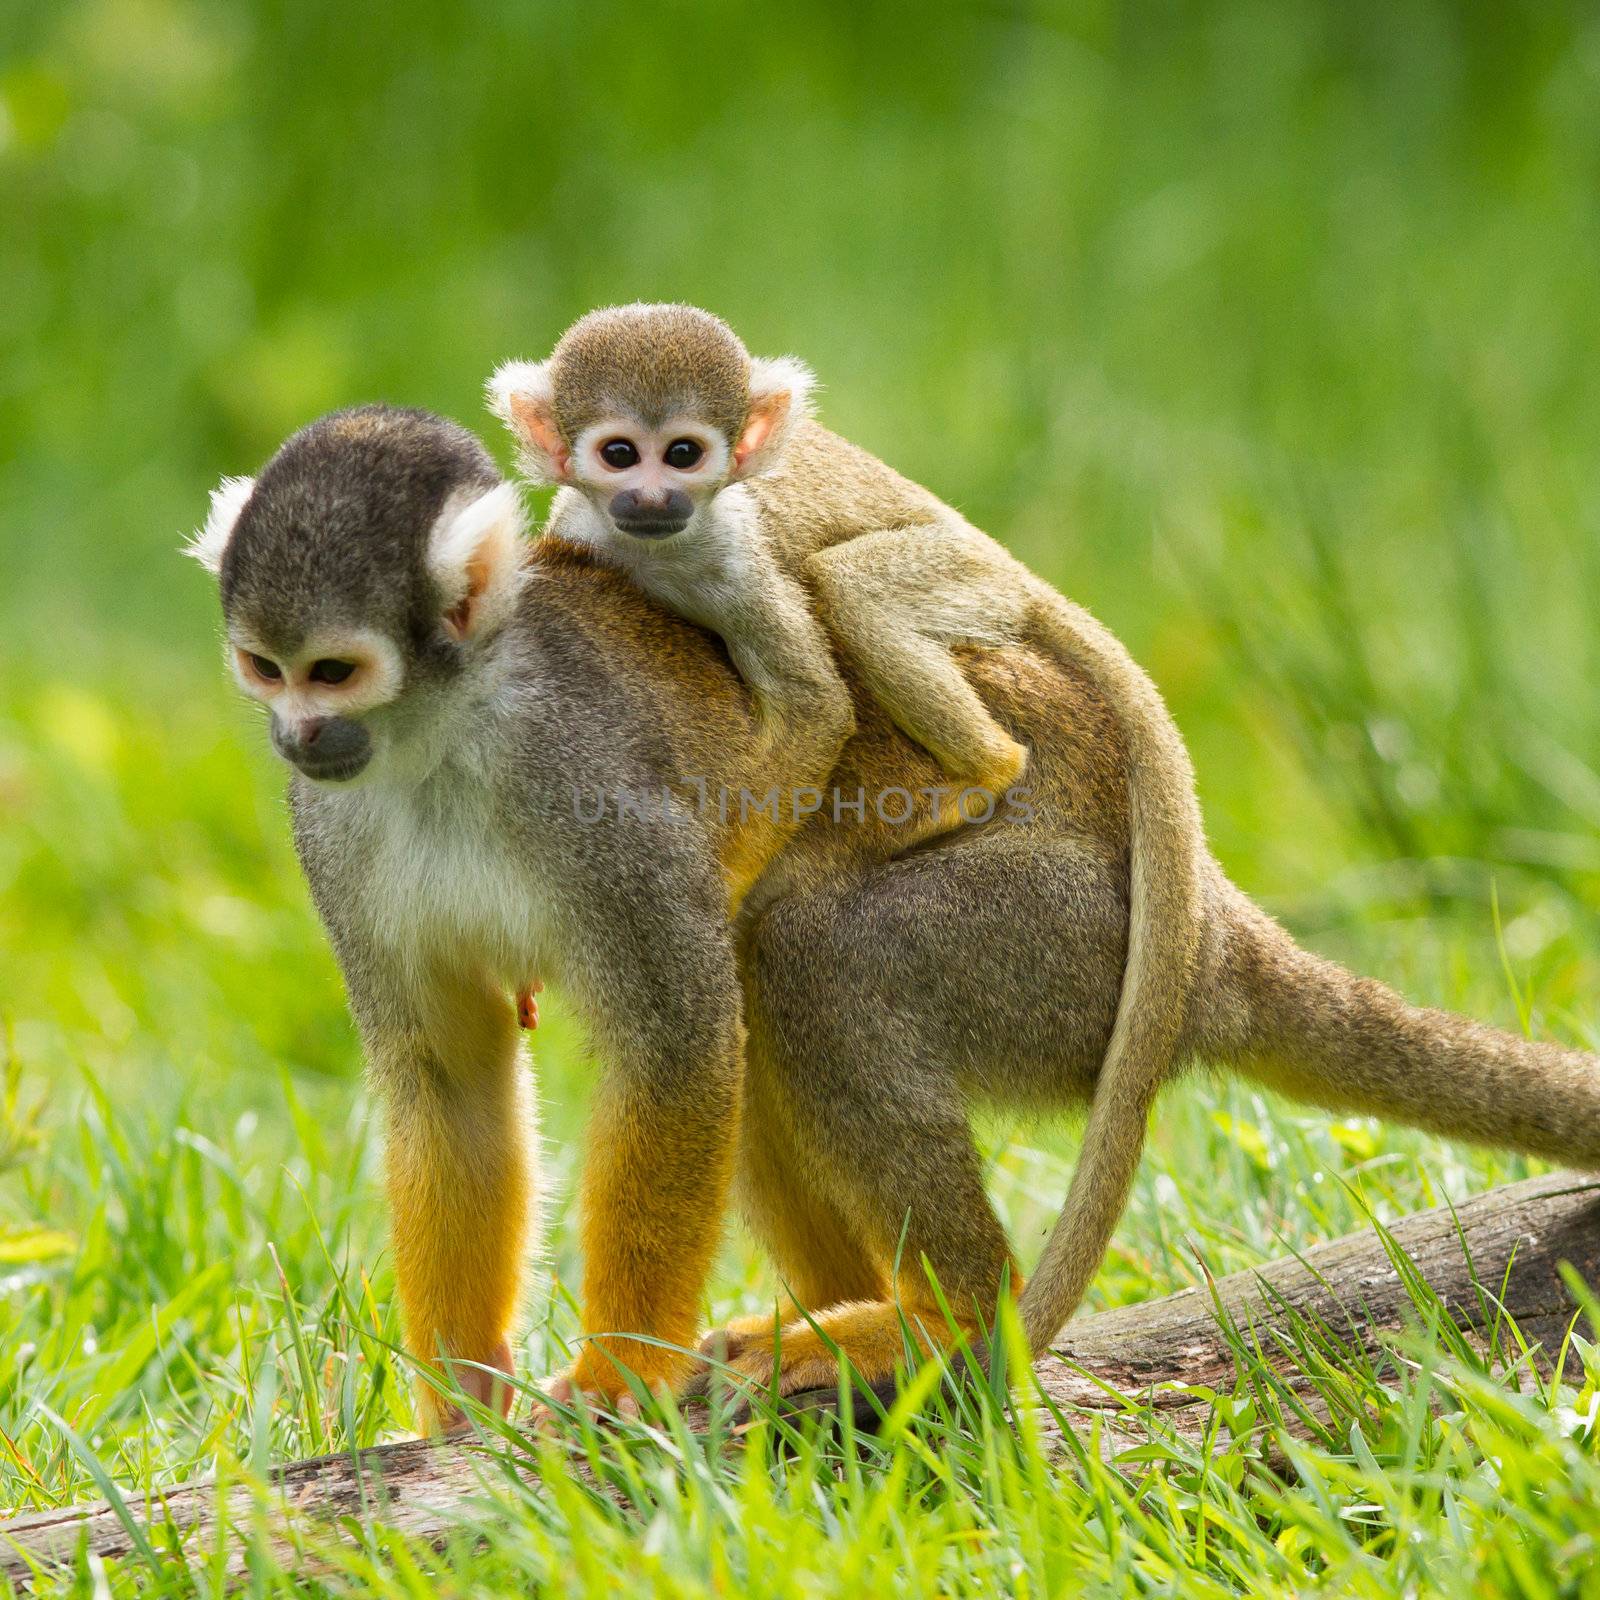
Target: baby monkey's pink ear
[520, 394]
[780, 399]
[474, 554]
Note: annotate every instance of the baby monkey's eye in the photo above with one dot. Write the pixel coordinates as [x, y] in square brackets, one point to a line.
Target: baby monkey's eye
[683, 454]
[265, 668]
[330, 671]
[619, 453]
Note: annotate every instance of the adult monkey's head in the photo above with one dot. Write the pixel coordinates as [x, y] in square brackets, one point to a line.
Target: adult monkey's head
[362, 573]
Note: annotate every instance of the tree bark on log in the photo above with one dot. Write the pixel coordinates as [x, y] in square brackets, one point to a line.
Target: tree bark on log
[1100, 1365]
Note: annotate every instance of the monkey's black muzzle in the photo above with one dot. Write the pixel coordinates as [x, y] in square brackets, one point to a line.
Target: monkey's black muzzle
[651, 516]
[329, 749]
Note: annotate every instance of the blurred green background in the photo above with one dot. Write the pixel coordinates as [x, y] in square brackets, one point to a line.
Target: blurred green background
[1268, 329]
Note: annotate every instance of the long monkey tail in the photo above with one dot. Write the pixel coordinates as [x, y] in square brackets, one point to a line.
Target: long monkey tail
[1167, 864]
[1306, 1027]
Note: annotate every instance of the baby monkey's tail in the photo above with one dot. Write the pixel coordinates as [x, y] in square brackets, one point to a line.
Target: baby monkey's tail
[1167, 865]
[1305, 1026]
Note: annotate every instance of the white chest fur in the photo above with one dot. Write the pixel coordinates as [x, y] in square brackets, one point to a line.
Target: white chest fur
[445, 880]
[704, 573]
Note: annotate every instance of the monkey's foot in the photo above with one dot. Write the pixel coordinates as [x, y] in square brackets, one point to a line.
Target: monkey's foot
[738, 1335]
[565, 1390]
[481, 1381]
[597, 1383]
[985, 792]
[977, 793]
[528, 1005]
[871, 1335]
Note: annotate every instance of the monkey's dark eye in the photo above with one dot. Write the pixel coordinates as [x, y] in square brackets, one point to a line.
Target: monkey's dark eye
[330, 671]
[619, 453]
[683, 454]
[265, 668]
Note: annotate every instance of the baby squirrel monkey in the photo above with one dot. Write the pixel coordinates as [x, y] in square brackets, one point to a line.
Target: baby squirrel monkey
[698, 470]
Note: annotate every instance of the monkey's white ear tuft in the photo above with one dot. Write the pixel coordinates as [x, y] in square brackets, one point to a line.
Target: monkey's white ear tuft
[475, 556]
[228, 500]
[780, 399]
[522, 395]
[770, 375]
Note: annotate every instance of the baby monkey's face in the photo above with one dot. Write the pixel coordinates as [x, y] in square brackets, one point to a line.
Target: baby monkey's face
[651, 482]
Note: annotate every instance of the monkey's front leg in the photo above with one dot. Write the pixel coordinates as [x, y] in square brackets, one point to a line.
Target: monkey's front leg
[806, 713]
[662, 999]
[459, 1159]
[655, 1183]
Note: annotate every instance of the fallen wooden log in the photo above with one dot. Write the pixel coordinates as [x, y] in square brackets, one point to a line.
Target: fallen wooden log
[1350, 1286]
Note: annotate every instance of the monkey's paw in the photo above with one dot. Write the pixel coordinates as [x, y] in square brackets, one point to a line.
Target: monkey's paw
[805, 1357]
[734, 1338]
[596, 1384]
[565, 1392]
[480, 1380]
[975, 794]
[1002, 773]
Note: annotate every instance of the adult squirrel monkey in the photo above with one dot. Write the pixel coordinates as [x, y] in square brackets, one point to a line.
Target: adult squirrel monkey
[442, 691]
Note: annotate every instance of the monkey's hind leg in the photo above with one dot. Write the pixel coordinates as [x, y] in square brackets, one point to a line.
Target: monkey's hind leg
[818, 1252]
[898, 601]
[954, 1262]
[880, 1130]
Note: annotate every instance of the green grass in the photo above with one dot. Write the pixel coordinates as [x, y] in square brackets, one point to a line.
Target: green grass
[195, 1280]
[1267, 330]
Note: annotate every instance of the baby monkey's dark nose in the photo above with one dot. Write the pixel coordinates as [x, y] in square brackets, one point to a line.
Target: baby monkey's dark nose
[651, 516]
